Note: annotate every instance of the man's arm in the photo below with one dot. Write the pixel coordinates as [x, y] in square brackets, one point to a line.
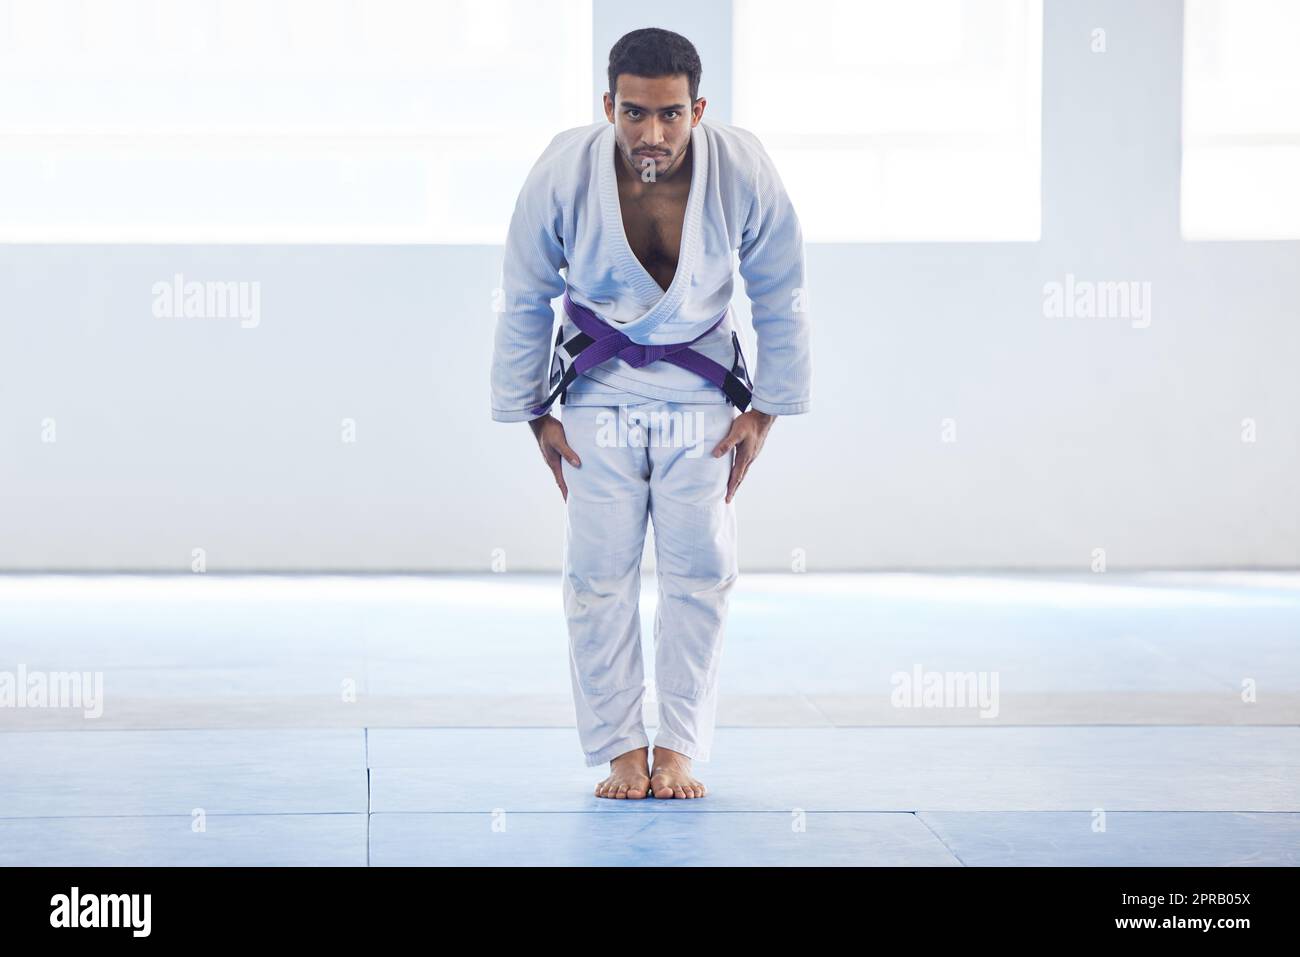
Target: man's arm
[530, 279]
[772, 265]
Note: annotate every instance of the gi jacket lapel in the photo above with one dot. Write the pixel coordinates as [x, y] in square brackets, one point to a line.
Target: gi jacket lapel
[634, 274]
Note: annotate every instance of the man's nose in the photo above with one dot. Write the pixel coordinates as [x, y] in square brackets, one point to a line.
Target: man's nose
[654, 137]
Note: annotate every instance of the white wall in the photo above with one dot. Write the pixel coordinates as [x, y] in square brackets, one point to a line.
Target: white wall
[1071, 434]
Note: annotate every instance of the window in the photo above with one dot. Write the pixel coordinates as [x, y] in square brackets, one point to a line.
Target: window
[1241, 120]
[890, 121]
[281, 120]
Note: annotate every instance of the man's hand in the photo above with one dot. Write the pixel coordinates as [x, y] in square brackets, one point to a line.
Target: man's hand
[550, 439]
[748, 432]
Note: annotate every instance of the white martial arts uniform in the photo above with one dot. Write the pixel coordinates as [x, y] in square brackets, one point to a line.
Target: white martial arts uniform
[568, 217]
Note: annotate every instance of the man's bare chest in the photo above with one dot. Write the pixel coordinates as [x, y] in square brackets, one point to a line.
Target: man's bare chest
[653, 225]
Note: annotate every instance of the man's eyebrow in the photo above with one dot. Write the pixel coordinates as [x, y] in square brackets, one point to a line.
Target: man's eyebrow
[646, 109]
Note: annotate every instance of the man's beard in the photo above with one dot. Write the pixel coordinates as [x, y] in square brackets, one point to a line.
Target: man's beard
[639, 164]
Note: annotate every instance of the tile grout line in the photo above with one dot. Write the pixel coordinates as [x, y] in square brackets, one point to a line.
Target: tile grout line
[830, 725]
[808, 699]
[926, 824]
[365, 741]
[754, 810]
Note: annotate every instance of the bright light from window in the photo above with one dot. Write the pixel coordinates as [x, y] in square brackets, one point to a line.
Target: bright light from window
[891, 120]
[1241, 119]
[281, 120]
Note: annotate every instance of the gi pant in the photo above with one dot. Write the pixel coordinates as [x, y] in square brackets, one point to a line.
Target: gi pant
[655, 460]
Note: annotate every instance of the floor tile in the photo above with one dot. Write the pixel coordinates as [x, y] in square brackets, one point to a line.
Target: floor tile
[1150, 839]
[632, 838]
[251, 840]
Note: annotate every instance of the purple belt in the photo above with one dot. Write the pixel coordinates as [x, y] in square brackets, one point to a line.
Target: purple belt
[597, 342]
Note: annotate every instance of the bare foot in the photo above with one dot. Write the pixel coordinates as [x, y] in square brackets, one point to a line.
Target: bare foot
[627, 777]
[671, 776]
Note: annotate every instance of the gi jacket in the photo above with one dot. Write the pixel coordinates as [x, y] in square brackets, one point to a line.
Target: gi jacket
[568, 219]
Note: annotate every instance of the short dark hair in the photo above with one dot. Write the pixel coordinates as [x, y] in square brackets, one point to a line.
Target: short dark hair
[655, 52]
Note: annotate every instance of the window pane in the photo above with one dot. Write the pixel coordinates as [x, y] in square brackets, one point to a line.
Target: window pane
[281, 120]
[1241, 119]
[898, 121]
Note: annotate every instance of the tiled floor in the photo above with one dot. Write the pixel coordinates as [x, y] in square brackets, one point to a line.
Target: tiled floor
[388, 721]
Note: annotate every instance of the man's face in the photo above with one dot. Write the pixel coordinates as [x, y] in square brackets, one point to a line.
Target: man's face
[653, 118]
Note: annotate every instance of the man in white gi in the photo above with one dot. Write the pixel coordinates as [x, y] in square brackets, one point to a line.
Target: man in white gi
[645, 212]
